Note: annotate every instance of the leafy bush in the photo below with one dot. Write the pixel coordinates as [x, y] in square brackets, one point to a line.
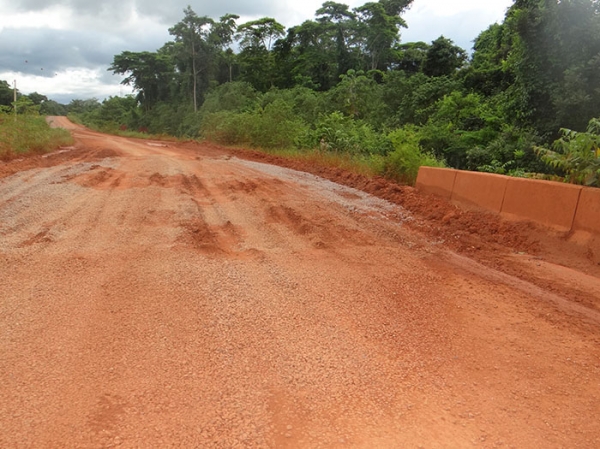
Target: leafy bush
[166, 118]
[576, 154]
[236, 96]
[112, 114]
[403, 163]
[360, 97]
[414, 98]
[460, 123]
[305, 103]
[511, 153]
[276, 126]
[225, 127]
[272, 126]
[340, 133]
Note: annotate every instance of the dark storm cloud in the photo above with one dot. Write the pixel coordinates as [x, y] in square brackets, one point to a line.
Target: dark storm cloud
[101, 29]
[44, 51]
[168, 12]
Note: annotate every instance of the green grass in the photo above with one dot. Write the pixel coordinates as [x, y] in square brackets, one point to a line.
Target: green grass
[114, 130]
[129, 133]
[29, 134]
[368, 166]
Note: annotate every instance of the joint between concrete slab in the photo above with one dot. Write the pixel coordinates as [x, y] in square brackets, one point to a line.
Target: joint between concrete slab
[576, 209]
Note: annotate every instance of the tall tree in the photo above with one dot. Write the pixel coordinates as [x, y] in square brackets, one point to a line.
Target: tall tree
[149, 73]
[395, 7]
[257, 38]
[221, 36]
[306, 56]
[409, 57]
[378, 32]
[197, 52]
[83, 106]
[488, 73]
[443, 58]
[260, 33]
[37, 99]
[6, 93]
[554, 58]
[52, 107]
[341, 23]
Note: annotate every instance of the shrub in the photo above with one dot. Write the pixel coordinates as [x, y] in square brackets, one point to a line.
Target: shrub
[274, 126]
[340, 133]
[225, 127]
[306, 103]
[576, 154]
[235, 96]
[403, 163]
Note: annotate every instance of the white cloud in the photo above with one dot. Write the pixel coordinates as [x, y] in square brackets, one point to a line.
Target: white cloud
[461, 21]
[444, 8]
[64, 86]
[55, 18]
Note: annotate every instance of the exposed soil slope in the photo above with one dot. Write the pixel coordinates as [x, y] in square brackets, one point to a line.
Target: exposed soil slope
[158, 294]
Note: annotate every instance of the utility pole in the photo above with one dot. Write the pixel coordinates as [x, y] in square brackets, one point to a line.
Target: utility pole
[15, 98]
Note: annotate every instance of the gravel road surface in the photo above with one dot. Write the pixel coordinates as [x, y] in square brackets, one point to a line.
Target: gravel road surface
[153, 296]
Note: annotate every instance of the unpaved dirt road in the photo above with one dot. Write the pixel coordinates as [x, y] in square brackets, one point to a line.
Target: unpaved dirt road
[153, 295]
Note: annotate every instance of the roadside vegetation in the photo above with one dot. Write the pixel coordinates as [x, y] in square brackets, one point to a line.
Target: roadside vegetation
[27, 132]
[344, 87]
[576, 154]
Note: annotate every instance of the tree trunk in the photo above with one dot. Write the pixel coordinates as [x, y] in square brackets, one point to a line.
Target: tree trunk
[194, 72]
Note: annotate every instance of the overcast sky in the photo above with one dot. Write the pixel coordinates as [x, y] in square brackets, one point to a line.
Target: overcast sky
[62, 48]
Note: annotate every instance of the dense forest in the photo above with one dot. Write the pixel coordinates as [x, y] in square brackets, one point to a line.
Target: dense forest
[524, 101]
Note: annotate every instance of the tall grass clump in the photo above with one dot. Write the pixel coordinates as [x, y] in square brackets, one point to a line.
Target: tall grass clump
[29, 134]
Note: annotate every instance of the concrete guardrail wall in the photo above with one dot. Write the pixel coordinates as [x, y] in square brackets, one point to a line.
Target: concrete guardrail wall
[564, 207]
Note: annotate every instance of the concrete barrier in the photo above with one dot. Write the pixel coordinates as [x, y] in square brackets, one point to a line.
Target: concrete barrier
[563, 207]
[479, 190]
[549, 203]
[587, 217]
[439, 181]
